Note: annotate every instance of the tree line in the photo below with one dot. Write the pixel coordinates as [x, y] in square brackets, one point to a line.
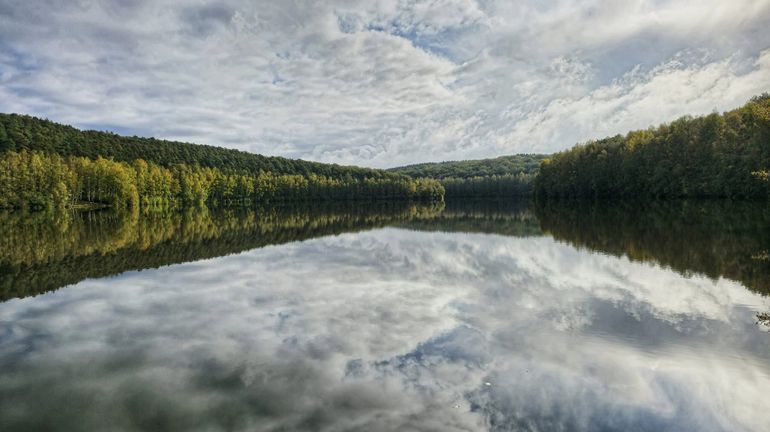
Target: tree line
[500, 166]
[36, 180]
[717, 156]
[494, 186]
[22, 132]
[505, 176]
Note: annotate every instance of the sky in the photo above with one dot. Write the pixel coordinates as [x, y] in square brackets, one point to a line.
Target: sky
[380, 83]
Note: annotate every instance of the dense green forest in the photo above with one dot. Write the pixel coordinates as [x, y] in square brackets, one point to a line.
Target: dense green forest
[37, 180]
[501, 166]
[717, 156]
[505, 176]
[22, 132]
[503, 186]
[44, 165]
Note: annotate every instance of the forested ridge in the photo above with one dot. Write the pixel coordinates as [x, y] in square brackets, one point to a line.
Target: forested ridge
[44, 165]
[505, 176]
[23, 132]
[34, 180]
[716, 156]
[503, 165]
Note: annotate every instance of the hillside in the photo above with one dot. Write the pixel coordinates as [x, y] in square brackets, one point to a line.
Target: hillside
[22, 132]
[716, 156]
[501, 177]
[500, 166]
[44, 164]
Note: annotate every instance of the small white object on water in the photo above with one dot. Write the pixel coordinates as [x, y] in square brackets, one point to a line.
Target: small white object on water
[487, 383]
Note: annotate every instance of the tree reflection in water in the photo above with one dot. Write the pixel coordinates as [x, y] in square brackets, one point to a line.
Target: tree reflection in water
[40, 252]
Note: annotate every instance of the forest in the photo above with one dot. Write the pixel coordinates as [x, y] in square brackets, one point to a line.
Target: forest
[505, 176]
[47, 165]
[35, 180]
[716, 156]
[44, 165]
[22, 132]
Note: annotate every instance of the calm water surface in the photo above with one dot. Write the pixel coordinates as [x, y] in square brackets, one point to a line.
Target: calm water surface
[481, 317]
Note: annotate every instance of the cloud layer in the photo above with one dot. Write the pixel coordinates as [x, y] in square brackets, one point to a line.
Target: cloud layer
[380, 83]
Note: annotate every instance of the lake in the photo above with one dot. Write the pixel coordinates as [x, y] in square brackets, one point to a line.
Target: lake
[474, 316]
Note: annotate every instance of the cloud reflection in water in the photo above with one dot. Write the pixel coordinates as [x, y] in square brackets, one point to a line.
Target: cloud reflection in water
[390, 330]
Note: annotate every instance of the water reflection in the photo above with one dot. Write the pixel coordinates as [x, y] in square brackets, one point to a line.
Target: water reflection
[394, 329]
[41, 252]
[715, 238]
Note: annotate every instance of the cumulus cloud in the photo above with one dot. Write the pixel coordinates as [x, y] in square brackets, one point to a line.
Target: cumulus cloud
[385, 82]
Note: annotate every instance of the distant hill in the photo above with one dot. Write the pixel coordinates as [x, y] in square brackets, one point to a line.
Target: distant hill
[500, 166]
[501, 177]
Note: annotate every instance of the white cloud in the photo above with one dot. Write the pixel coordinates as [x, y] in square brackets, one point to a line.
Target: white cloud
[384, 82]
